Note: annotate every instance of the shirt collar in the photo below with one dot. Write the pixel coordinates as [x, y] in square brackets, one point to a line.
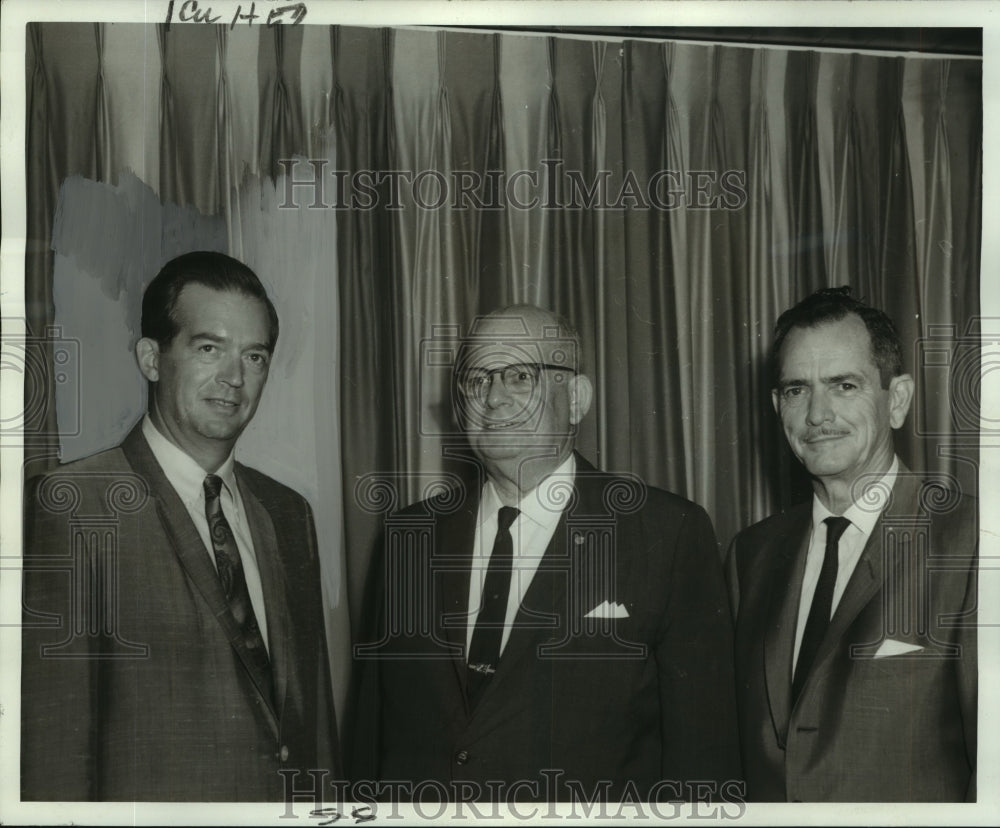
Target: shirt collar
[544, 504]
[183, 472]
[865, 513]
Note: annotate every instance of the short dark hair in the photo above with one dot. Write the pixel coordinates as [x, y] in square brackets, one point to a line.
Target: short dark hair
[832, 305]
[203, 267]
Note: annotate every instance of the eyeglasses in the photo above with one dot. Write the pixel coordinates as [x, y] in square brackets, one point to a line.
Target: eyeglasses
[521, 378]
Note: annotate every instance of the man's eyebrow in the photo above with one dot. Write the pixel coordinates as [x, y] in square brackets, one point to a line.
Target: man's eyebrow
[857, 379]
[788, 383]
[210, 337]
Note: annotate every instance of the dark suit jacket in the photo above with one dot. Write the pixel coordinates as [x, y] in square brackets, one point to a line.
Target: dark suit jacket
[134, 681]
[607, 706]
[865, 728]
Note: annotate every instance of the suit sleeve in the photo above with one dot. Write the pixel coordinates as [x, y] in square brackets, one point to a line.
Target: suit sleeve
[59, 671]
[327, 742]
[363, 738]
[695, 660]
[968, 683]
[733, 580]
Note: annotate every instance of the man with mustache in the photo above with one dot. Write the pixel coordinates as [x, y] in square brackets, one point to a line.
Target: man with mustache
[574, 640]
[174, 645]
[855, 612]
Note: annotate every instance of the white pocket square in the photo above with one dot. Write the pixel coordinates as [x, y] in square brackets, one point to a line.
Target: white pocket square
[606, 609]
[892, 647]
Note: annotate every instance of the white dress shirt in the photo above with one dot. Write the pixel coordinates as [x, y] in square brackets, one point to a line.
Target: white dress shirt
[863, 518]
[188, 479]
[541, 509]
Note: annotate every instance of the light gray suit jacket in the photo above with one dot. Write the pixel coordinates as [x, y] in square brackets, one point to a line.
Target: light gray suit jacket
[136, 684]
[867, 726]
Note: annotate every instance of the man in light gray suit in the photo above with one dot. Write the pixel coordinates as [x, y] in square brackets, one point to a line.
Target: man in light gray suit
[855, 612]
[174, 645]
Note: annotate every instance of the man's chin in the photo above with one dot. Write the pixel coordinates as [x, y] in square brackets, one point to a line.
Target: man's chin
[510, 444]
[227, 431]
[825, 466]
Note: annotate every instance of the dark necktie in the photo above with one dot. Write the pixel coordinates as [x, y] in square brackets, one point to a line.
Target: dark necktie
[822, 604]
[234, 582]
[484, 652]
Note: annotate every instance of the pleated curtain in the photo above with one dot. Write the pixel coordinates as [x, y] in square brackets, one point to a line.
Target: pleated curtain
[845, 168]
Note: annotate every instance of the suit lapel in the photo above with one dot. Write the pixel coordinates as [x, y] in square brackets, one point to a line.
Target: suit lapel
[787, 553]
[274, 587]
[869, 573]
[176, 522]
[452, 548]
[187, 544]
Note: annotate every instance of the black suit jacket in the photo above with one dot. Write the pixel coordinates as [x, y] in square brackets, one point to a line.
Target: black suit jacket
[577, 705]
[867, 726]
[134, 681]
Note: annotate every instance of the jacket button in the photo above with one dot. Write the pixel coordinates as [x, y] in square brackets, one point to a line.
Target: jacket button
[283, 753]
[461, 757]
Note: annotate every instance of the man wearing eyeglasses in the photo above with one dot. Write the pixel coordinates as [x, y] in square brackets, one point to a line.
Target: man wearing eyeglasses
[576, 642]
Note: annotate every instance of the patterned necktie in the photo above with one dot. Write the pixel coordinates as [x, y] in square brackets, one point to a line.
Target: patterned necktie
[234, 582]
[822, 604]
[484, 652]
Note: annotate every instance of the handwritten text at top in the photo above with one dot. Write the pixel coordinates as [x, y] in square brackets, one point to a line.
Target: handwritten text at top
[190, 11]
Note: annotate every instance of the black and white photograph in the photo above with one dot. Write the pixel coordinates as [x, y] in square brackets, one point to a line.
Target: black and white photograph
[501, 412]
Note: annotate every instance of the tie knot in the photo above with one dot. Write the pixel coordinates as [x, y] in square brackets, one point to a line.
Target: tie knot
[213, 486]
[835, 527]
[507, 516]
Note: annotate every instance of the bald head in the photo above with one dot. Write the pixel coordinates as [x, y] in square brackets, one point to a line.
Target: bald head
[528, 332]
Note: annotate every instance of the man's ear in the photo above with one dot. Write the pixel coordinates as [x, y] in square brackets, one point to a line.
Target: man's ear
[147, 353]
[581, 394]
[900, 397]
[774, 401]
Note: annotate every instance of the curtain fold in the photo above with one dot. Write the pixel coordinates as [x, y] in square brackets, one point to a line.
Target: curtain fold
[363, 106]
[765, 293]
[522, 132]
[189, 124]
[669, 198]
[61, 113]
[580, 176]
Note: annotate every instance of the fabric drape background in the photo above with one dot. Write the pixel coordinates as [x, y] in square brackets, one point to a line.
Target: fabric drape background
[826, 168]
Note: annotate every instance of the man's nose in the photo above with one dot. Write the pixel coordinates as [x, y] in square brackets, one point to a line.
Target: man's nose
[497, 394]
[820, 410]
[231, 370]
